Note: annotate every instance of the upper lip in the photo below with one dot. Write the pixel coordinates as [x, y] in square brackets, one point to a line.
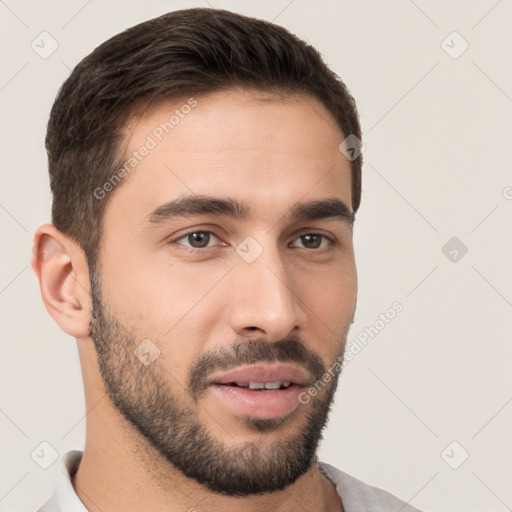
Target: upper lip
[263, 373]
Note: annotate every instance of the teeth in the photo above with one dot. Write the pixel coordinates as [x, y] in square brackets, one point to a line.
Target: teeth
[265, 385]
[278, 384]
[256, 385]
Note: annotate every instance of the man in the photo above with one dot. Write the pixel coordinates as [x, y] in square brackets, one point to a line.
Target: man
[205, 170]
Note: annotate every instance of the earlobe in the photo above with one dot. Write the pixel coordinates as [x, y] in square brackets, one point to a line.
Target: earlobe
[61, 269]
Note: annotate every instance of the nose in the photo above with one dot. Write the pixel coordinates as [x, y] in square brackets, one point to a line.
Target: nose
[266, 304]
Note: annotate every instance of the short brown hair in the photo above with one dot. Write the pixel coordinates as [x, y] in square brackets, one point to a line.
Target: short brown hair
[185, 52]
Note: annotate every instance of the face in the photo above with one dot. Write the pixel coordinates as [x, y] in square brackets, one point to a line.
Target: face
[227, 285]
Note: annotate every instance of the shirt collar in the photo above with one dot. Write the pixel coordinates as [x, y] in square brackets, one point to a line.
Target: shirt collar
[64, 497]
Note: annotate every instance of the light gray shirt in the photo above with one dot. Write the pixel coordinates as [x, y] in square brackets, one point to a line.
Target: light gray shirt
[355, 495]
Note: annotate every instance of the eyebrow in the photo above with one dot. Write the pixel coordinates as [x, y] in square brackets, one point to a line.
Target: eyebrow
[194, 205]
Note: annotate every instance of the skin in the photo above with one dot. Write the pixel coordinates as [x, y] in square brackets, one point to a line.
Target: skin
[268, 153]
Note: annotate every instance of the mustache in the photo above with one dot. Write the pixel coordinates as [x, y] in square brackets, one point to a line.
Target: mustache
[252, 351]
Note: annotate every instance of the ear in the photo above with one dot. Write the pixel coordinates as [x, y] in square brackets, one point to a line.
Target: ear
[61, 269]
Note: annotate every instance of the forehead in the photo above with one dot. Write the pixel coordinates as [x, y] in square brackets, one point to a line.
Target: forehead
[266, 151]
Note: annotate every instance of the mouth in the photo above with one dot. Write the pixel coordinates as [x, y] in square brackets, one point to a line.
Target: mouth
[261, 391]
[260, 386]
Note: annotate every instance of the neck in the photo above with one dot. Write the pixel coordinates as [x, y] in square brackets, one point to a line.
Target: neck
[112, 478]
[121, 471]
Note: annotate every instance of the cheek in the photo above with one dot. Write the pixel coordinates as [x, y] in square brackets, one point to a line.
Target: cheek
[331, 289]
[175, 306]
[150, 289]
[328, 298]
[157, 296]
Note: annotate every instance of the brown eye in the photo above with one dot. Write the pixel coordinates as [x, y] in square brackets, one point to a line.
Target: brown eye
[196, 239]
[314, 241]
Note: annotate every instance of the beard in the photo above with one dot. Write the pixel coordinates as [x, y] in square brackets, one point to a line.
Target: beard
[153, 403]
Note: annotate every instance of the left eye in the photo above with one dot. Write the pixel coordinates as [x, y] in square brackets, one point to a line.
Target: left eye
[314, 241]
[201, 239]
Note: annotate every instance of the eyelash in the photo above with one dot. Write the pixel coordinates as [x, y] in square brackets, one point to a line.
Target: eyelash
[333, 241]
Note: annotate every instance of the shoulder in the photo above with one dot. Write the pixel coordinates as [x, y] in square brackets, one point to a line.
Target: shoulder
[357, 495]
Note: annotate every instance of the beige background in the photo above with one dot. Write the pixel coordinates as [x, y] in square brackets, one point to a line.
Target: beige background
[437, 165]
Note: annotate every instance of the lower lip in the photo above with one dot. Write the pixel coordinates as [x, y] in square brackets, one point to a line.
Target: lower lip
[259, 404]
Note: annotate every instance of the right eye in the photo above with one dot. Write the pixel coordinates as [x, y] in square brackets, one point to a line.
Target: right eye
[201, 238]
